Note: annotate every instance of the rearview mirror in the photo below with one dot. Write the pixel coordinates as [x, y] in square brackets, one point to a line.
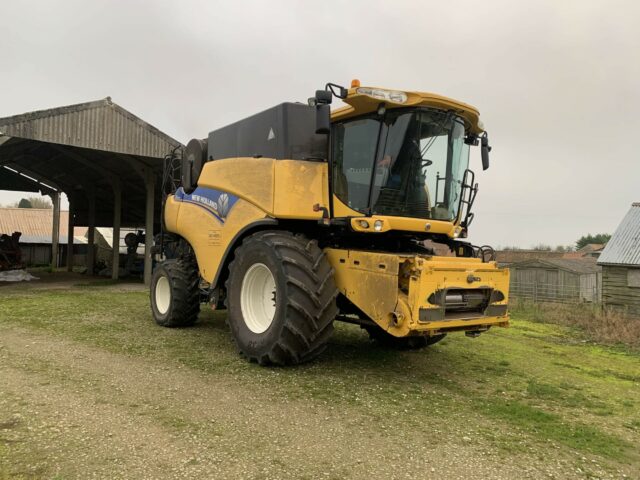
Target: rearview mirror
[323, 119]
[484, 150]
[322, 102]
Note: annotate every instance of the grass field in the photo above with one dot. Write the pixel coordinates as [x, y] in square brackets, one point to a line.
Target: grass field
[525, 402]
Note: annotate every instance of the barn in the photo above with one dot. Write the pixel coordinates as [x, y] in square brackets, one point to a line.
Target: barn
[35, 226]
[556, 280]
[107, 161]
[620, 261]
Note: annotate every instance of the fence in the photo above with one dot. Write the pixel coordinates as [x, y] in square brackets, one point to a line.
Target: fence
[554, 293]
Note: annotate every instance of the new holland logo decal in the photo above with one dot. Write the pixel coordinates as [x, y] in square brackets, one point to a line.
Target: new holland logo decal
[217, 203]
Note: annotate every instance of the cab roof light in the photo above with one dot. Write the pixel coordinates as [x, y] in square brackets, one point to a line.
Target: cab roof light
[380, 94]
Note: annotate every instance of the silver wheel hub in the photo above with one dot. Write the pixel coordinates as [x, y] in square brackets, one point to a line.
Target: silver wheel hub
[258, 298]
[162, 295]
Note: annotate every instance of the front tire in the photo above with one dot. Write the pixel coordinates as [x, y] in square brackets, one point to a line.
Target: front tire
[175, 294]
[281, 298]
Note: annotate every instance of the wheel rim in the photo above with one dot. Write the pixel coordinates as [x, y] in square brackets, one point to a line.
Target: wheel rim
[258, 298]
[162, 295]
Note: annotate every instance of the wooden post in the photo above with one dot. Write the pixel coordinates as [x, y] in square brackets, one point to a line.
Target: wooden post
[148, 236]
[70, 238]
[55, 233]
[117, 211]
[91, 234]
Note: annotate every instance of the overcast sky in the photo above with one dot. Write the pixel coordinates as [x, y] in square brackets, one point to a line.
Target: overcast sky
[557, 82]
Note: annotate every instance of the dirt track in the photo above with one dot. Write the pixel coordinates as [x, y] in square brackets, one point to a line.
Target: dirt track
[91, 412]
[90, 388]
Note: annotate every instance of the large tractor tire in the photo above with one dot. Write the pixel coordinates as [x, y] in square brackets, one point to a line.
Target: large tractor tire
[175, 294]
[281, 298]
[385, 339]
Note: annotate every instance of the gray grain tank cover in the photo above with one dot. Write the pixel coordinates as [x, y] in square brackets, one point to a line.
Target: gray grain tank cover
[286, 131]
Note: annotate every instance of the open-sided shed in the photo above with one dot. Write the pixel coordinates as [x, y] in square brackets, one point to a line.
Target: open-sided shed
[105, 159]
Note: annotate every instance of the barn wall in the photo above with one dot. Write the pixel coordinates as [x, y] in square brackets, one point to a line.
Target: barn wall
[540, 282]
[616, 292]
[35, 254]
[549, 283]
[589, 287]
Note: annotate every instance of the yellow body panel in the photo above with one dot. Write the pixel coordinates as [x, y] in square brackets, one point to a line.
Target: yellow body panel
[393, 290]
[341, 210]
[406, 224]
[251, 179]
[299, 185]
[403, 223]
[281, 188]
[208, 236]
[266, 189]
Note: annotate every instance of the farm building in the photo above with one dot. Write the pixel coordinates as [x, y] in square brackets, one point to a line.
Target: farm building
[35, 225]
[620, 261]
[506, 258]
[107, 161]
[556, 279]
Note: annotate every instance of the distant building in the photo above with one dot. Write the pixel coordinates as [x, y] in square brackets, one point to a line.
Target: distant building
[592, 250]
[507, 257]
[35, 224]
[620, 261]
[556, 279]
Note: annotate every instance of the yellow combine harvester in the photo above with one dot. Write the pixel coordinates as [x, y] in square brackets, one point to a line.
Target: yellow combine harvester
[299, 216]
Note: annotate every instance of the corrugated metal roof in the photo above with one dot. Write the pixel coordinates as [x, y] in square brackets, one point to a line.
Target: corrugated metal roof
[101, 125]
[624, 246]
[35, 223]
[46, 240]
[575, 265]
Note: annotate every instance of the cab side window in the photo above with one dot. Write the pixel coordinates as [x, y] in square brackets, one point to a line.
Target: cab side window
[354, 150]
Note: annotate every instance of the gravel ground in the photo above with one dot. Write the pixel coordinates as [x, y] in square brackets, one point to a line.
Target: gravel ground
[91, 388]
[81, 412]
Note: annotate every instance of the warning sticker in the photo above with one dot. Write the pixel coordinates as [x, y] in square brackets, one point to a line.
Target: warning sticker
[215, 238]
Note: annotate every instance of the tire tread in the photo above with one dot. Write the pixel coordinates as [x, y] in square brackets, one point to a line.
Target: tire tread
[311, 294]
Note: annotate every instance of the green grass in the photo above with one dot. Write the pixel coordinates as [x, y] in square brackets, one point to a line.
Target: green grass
[520, 388]
[553, 428]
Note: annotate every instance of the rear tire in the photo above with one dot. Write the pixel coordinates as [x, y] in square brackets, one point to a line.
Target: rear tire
[385, 339]
[175, 294]
[281, 298]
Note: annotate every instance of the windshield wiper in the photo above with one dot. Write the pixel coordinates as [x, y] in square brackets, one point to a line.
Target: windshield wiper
[432, 140]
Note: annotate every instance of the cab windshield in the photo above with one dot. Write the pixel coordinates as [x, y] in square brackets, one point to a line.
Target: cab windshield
[405, 164]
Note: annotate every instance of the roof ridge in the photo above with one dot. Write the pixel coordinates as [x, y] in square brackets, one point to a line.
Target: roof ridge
[49, 112]
[624, 248]
[104, 102]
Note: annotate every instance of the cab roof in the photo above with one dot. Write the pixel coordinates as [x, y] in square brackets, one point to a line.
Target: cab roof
[359, 103]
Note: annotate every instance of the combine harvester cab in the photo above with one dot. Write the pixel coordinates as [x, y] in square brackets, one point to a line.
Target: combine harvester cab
[299, 216]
